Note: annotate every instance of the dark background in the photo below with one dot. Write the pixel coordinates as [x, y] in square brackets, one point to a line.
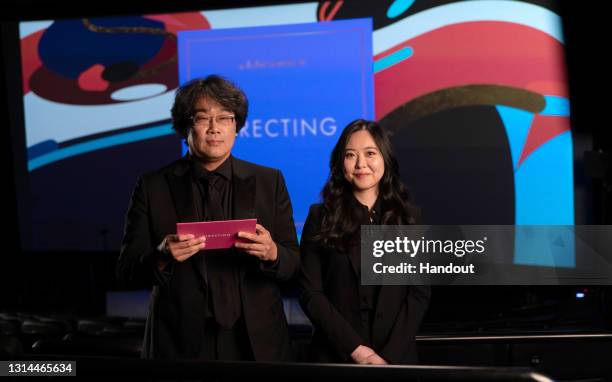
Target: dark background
[77, 282]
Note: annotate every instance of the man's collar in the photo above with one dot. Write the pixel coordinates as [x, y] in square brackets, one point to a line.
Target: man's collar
[225, 169]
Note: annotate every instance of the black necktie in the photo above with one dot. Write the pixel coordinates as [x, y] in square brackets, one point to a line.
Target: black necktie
[214, 203]
[221, 265]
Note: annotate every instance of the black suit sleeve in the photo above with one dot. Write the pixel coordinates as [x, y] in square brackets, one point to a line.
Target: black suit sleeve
[288, 261]
[313, 300]
[138, 257]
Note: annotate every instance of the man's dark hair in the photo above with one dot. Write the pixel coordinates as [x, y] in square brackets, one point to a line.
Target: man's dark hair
[215, 88]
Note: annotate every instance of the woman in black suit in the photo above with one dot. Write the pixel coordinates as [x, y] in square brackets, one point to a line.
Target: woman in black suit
[365, 324]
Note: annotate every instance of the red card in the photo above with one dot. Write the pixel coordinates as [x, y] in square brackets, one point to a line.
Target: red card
[219, 234]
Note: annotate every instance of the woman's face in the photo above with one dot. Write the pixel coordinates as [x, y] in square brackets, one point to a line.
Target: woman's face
[364, 165]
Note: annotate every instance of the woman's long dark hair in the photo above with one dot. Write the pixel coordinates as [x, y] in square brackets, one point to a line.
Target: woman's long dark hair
[340, 218]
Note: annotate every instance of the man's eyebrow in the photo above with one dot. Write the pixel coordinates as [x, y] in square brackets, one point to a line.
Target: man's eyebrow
[204, 110]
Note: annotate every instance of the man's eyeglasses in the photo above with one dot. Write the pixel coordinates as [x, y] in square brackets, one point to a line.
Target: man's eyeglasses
[223, 120]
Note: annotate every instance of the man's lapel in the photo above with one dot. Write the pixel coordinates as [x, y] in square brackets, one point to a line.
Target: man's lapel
[181, 189]
[243, 191]
[179, 182]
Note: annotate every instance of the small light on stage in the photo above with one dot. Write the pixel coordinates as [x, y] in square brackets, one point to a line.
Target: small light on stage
[580, 295]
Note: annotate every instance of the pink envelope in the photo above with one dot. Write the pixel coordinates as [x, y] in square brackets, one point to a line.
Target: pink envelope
[219, 234]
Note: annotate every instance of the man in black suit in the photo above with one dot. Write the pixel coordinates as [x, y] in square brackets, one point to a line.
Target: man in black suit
[211, 304]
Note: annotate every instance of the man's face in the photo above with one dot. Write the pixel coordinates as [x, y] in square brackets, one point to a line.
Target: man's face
[213, 132]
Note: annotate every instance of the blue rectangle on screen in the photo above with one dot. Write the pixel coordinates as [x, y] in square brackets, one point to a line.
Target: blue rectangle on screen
[304, 82]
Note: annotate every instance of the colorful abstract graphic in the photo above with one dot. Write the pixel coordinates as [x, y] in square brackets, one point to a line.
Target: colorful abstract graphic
[86, 80]
[475, 93]
[476, 56]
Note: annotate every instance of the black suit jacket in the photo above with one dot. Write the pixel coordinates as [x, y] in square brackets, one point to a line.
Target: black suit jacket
[177, 312]
[330, 298]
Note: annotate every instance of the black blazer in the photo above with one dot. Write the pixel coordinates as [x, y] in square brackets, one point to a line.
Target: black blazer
[330, 298]
[177, 311]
